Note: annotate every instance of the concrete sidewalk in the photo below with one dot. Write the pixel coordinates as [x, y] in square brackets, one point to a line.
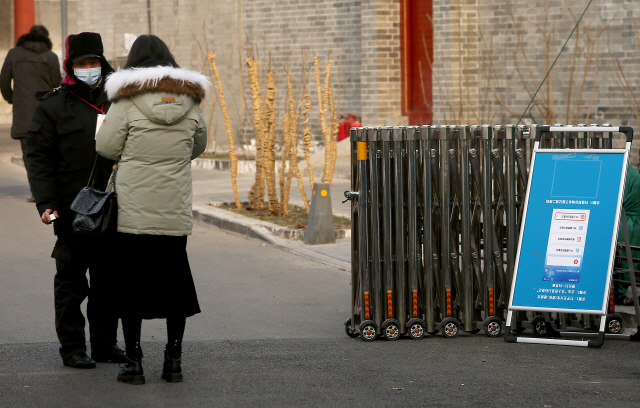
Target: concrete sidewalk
[213, 186]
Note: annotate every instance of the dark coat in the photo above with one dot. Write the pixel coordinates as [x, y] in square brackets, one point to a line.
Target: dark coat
[61, 146]
[33, 67]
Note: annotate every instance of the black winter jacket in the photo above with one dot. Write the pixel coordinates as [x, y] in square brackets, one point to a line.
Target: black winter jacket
[61, 149]
[33, 67]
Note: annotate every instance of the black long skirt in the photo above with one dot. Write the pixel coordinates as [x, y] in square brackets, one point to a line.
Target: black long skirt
[155, 277]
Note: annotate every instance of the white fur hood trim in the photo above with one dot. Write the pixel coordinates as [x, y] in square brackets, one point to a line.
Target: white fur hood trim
[150, 76]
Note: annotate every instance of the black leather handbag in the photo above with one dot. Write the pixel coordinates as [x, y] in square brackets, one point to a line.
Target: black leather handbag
[96, 211]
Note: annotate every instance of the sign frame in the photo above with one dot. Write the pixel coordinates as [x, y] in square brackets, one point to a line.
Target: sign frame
[628, 131]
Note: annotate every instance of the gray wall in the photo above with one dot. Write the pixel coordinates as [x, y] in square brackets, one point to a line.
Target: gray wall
[501, 49]
[490, 55]
[275, 29]
[6, 24]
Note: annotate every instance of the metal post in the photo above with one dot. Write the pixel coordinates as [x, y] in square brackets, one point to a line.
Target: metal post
[478, 291]
[415, 325]
[445, 232]
[465, 237]
[399, 226]
[374, 225]
[487, 221]
[389, 266]
[511, 211]
[595, 137]
[582, 138]
[149, 15]
[356, 135]
[368, 328]
[608, 138]
[524, 136]
[356, 306]
[558, 138]
[571, 139]
[427, 228]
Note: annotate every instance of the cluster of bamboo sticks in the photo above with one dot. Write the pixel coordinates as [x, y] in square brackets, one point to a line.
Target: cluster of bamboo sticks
[227, 124]
[264, 126]
[329, 130]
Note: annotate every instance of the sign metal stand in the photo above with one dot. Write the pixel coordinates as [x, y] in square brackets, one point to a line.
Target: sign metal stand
[573, 205]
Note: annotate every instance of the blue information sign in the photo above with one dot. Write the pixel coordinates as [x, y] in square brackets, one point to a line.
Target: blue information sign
[566, 248]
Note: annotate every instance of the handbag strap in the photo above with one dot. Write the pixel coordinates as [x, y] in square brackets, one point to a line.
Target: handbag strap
[111, 184]
[93, 170]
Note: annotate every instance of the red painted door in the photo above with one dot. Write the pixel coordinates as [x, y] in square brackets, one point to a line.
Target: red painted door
[416, 42]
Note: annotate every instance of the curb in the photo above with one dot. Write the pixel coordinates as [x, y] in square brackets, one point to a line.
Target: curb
[260, 231]
[229, 222]
[279, 230]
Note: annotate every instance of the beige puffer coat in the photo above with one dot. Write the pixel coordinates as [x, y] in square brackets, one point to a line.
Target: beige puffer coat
[154, 128]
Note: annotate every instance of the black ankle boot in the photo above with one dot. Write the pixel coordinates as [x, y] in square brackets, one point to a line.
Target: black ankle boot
[132, 372]
[172, 370]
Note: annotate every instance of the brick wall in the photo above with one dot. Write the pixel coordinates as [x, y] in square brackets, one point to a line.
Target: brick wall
[369, 73]
[381, 86]
[282, 28]
[6, 24]
[48, 14]
[513, 46]
[456, 66]
[490, 55]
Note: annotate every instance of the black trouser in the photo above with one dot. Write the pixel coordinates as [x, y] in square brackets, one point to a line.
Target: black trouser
[132, 327]
[23, 146]
[75, 254]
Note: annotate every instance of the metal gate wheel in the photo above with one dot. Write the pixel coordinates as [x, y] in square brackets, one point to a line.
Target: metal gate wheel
[416, 331]
[492, 326]
[391, 332]
[349, 329]
[369, 333]
[613, 323]
[539, 326]
[368, 330]
[449, 327]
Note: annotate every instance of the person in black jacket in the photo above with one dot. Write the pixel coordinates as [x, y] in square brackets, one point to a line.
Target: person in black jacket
[32, 67]
[61, 153]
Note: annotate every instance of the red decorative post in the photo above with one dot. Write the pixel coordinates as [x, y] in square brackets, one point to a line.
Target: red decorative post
[25, 16]
[416, 53]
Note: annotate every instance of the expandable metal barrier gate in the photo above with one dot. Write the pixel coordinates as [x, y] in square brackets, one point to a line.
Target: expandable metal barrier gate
[436, 215]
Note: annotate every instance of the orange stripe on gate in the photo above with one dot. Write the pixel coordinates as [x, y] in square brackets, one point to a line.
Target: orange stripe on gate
[362, 150]
[367, 310]
[491, 304]
[612, 307]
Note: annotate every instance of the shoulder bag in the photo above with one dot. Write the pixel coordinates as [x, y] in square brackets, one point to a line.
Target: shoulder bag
[96, 211]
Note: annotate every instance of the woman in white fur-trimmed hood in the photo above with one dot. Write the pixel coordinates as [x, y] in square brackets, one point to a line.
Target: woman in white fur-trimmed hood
[154, 129]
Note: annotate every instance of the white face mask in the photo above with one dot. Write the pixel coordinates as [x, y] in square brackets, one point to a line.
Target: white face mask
[88, 75]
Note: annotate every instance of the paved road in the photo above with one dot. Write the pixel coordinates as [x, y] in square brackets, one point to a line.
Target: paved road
[271, 335]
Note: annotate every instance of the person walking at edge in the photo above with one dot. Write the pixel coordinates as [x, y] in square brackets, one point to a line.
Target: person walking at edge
[154, 129]
[61, 153]
[33, 67]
